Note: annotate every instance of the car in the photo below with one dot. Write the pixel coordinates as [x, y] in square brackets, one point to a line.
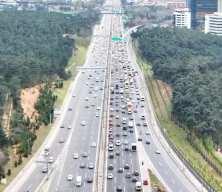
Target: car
[117, 153]
[117, 135]
[45, 169]
[109, 176]
[140, 139]
[131, 131]
[61, 140]
[82, 165]
[142, 117]
[93, 144]
[134, 179]
[125, 134]
[118, 142]
[69, 127]
[89, 179]
[70, 109]
[110, 167]
[83, 123]
[69, 177]
[97, 115]
[84, 154]
[128, 176]
[125, 142]
[62, 126]
[126, 166]
[91, 166]
[75, 156]
[73, 96]
[147, 133]
[147, 142]
[111, 155]
[120, 170]
[119, 189]
[110, 147]
[157, 152]
[145, 124]
[86, 99]
[51, 159]
[136, 173]
[98, 108]
[126, 148]
[138, 124]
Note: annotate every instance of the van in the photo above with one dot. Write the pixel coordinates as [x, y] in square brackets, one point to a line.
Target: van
[78, 181]
[138, 186]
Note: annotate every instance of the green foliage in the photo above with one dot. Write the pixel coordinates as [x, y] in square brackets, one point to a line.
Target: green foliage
[33, 47]
[45, 105]
[191, 62]
[3, 139]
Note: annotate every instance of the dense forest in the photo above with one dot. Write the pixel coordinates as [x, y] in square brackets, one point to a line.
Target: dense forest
[35, 48]
[191, 62]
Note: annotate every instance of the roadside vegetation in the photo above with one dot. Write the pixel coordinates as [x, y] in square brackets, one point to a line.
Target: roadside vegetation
[37, 48]
[183, 70]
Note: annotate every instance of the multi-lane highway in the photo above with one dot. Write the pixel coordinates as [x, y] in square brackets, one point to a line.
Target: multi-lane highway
[69, 159]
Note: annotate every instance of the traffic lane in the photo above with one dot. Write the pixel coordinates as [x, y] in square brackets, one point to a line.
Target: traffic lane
[84, 134]
[124, 159]
[37, 176]
[162, 161]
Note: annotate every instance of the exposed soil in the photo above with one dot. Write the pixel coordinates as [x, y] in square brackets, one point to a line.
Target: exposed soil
[29, 97]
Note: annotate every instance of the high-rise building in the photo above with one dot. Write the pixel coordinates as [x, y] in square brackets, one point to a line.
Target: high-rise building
[199, 8]
[182, 18]
[213, 22]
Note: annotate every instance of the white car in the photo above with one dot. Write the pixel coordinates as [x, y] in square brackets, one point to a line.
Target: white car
[118, 142]
[75, 156]
[93, 144]
[70, 177]
[51, 160]
[109, 176]
[69, 127]
[83, 123]
[157, 152]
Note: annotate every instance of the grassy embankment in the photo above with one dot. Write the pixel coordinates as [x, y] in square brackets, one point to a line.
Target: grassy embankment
[155, 183]
[161, 98]
[77, 59]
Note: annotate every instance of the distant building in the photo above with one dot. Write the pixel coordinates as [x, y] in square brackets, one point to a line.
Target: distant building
[198, 10]
[182, 18]
[213, 22]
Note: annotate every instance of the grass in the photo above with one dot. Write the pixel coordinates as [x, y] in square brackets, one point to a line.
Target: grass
[76, 60]
[162, 106]
[155, 183]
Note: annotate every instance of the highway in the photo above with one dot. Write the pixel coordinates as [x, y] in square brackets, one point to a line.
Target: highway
[72, 149]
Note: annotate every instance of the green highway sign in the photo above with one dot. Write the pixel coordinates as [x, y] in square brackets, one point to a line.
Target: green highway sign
[116, 38]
